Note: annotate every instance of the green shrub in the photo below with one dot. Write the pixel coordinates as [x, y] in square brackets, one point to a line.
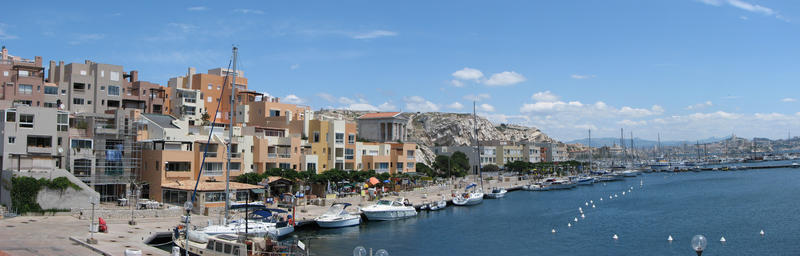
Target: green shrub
[24, 191]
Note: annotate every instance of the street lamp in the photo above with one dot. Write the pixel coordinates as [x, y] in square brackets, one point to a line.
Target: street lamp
[188, 207]
[699, 244]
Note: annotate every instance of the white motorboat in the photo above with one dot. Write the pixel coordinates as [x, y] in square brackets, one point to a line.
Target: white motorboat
[555, 184]
[438, 205]
[496, 193]
[262, 222]
[586, 180]
[337, 217]
[389, 210]
[200, 244]
[633, 173]
[468, 198]
[535, 187]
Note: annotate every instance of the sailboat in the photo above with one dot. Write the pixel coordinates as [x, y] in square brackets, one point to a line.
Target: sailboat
[475, 195]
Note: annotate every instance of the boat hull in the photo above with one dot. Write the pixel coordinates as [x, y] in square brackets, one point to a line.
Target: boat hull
[339, 223]
[497, 195]
[467, 201]
[389, 215]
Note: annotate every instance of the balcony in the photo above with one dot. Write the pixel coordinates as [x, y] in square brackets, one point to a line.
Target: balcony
[272, 155]
[211, 154]
[40, 150]
[285, 155]
[189, 100]
[105, 130]
[236, 155]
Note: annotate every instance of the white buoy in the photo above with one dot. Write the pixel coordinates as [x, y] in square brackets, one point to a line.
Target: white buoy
[553, 231]
[586, 203]
[579, 209]
[583, 216]
[669, 238]
[615, 195]
[592, 206]
[762, 232]
[591, 201]
[601, 199]
[576, 219]
[610, 197]
[623, 193]
[722, 240]
[615, 237]
[569, 224]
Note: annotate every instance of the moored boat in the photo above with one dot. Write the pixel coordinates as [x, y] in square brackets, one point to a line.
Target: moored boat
[496, 193]
[468, 198]
[389, 210]
[337, 217]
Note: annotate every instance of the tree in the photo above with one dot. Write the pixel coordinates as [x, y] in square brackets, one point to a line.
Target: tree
[423, 168]
[441, 164]
[206, 118]
[490, 168]
[251, 178]
[460, 164]
[519, 166]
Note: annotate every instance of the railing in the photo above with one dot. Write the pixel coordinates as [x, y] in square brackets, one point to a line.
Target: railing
[381, 170]
[272, 155]
[40, 150]
[211, 154]
[189, 100]
[285, 155]
[236, 155]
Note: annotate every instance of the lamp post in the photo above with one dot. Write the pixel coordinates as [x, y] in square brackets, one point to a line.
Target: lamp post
[699, 244]
[188, 207]
[91, 240]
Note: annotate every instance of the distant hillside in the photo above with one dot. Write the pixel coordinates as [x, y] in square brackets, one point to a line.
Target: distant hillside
[638, 142]
[448, 129]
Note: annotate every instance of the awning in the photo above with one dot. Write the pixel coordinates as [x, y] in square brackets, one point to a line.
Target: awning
[373, 181]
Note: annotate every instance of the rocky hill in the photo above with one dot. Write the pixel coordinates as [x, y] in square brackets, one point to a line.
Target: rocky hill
[448, 129]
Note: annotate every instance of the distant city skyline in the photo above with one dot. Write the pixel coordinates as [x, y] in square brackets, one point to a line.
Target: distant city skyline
[687, 69]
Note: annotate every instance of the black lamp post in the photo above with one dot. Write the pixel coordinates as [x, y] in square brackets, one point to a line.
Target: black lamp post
[699, 244]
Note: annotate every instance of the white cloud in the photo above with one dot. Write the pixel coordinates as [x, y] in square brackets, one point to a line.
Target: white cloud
[4, 35]
[293, 99]
[85, 38]
[294, 66]
[486, 107]
[197, 8]
[419, 104]
[249, 11]
[788, 99]
[627, 122]
[746, 6]
[468, 74]
[478, 97]
[374, 34]
[327, 97]
[455, 105]
[546, 96]
[387, 106]
[743, 17]
[505, 78]
[700, 105]
[361, 107]
[580, 77]
[346, 101]
[457, 83]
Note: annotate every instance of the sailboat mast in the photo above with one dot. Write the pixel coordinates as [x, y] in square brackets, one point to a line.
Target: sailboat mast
[477, 143]
[230, 139]
[591, 156]
[633, 154]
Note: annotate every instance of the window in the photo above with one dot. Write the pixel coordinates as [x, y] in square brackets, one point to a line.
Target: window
[12, 139]
[81, 144]
[79, 86]
[63, 122]
[215, 196]
[51, 90]
[316, 136]
[102, 73]
[410, 154]
[210, 86]
[5, 73]
[351, 138]
[399, 165]
[235, 167]
[11, 116]
[177, 167]
[113, 90]
[25, 89]
[50, 105]
[77, 101]
[274, 113]
[348, 154]
[63, 92]
[22, 102]
[23, 73]
[114, 76]
[339, 137]
[40, 141]
[212, 169]
[228, 249]
[83, 72]
[209, 99]
[102, 88]
[383, 166]
[285, 166]
[26, 120]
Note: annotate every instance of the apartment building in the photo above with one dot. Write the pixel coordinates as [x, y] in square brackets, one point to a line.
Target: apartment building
[23, 81]
[146, 96]
[33, 138]
[386, 157]
[334, 143]
[382, 127]
[265, 111]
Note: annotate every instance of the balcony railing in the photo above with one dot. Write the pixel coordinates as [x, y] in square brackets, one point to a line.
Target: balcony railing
[211, 154]
[40, 150]
[285, 155]
[189, 100]
[272, 155]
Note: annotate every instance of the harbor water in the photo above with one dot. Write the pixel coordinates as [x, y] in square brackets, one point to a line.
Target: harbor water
[736, 205]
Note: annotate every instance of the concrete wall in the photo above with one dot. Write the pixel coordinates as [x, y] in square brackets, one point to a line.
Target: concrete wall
[52, 199]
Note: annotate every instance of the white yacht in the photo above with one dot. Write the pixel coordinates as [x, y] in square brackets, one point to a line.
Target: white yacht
[260, 223]
[535, 187]
[468, 198]
[496, 193]
[337, 217]
[438, 205]
[555, 184]
[389, 210]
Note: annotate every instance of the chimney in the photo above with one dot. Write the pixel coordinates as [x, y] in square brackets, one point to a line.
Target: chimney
[134, 76]
[189, 75]
[5, 52]
[60, 71]
[51, 72]
[38, 61]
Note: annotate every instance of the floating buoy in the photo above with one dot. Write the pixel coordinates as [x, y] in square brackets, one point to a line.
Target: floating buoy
[579, 209]
[623, 193]
[569, 224]
[592, 206]
[669, 238]
[615, 195]
[583, 216]
[615, 237]
[576, 219]
[601, 199]
[722, 240]
[610, 197]
[762, 232]
[553, 231]
[591, 201]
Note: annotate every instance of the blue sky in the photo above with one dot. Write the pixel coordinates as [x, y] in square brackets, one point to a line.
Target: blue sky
[688, 69]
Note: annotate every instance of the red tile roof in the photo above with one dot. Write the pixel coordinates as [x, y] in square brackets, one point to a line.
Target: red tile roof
[378, 115]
